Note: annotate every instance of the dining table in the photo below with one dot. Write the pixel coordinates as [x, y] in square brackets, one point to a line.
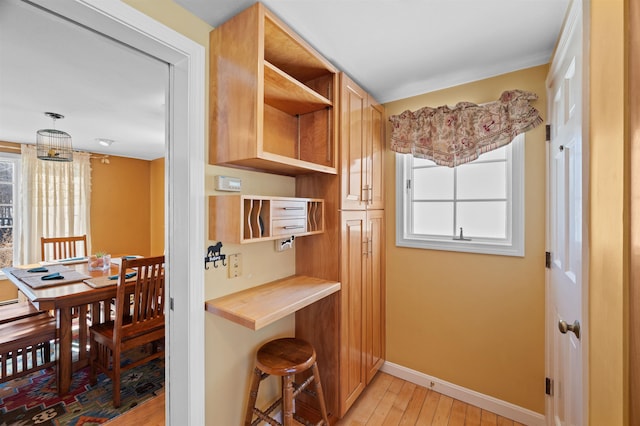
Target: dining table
[87, 297]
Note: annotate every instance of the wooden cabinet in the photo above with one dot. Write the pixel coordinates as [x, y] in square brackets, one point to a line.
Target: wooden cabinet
[252, 218]
[375, 155]
[352, 302]
[361, 148]
[351, 250]
[350, 342]
[374, 294]
[271, 98]
[362, 302]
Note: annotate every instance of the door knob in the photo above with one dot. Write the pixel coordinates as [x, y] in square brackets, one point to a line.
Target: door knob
[564, 327]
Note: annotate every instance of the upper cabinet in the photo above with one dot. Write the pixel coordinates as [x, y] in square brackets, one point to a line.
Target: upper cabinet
[272, 98]
[362, 148]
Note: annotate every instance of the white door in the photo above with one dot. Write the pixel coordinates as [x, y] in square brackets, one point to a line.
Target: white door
[566, 228]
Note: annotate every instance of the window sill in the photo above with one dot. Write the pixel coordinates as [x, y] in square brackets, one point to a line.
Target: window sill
[463, 246]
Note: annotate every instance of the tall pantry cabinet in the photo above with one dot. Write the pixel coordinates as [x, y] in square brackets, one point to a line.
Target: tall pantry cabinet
[351, 251]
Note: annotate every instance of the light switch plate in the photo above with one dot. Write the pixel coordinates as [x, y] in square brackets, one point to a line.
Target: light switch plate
[235, 265]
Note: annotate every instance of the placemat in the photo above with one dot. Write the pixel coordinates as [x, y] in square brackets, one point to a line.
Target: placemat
[104, 281]
[70, 276]
[69, 261]
[22, 273]
[118, 260]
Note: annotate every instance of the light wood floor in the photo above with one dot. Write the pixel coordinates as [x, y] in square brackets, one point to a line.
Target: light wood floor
[392, 401]
[386, 401]
[149, 413]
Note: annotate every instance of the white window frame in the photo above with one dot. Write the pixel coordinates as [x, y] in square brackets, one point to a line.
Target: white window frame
[17, 163]
[512, 245]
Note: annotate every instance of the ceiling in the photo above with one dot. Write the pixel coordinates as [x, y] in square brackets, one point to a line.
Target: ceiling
[393, 48]
[400, 48]
[103, 88]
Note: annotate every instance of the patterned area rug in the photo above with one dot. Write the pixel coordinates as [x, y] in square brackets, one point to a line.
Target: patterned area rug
[33, 399]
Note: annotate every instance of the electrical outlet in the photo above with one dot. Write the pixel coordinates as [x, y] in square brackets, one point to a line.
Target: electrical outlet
[235, 265]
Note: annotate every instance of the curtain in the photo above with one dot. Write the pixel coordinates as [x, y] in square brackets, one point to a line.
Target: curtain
[454, 136]
[55, 201]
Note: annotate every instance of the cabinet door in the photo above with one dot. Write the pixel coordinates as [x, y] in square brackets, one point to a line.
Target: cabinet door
[374, 323]
[374, 182]
[353, 134]
[352, 368]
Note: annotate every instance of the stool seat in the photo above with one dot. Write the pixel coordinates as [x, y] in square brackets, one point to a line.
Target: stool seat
[286, 357]
[282, 357]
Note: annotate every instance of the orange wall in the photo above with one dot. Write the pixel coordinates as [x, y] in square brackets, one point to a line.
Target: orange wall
[156, 215]
[474, 320]
[120, 206]
[8, 291]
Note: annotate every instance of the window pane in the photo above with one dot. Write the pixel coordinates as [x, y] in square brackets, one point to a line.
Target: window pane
[433, 218]
[483, 219]
[6, 172]
[6, 247]
[496, 154]
[421, 162]
[433, 183]
[6, 216]
[482, 181]
[6, 193]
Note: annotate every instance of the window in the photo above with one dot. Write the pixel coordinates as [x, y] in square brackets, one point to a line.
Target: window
[476, 207]
[9, 181]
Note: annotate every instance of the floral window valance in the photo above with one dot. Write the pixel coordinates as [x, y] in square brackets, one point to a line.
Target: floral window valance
[454, 136]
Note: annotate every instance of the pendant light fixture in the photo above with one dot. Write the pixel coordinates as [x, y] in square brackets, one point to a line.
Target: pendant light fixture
[52, 144]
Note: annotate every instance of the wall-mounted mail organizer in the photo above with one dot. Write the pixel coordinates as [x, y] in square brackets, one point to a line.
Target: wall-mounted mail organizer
[243, 219]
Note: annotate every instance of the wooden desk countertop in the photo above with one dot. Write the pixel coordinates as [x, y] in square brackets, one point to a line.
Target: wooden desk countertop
[262, 305]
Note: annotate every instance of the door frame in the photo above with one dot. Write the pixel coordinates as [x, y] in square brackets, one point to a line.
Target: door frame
[578, 9]
[184, 187]
[634, 281]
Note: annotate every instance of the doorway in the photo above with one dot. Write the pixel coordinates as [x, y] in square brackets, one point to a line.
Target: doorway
[567, 228]
[184, 187]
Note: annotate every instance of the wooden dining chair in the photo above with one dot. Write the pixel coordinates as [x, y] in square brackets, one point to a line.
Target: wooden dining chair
[138, 321]
[63, 247]
[56, 248]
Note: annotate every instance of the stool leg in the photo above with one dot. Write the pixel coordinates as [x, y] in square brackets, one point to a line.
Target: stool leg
[287, 400]
[320, 393]
[253, 395]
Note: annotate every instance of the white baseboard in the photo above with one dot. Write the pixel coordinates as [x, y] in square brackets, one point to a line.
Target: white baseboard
[486, 402]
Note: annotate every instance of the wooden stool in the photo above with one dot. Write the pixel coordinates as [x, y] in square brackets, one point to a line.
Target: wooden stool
[285, 358]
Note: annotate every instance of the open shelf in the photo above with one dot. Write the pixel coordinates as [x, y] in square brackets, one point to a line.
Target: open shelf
[272, 98]
[287, 51]
[289, 95]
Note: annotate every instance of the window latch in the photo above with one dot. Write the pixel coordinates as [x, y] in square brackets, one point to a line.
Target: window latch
[461, 237]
